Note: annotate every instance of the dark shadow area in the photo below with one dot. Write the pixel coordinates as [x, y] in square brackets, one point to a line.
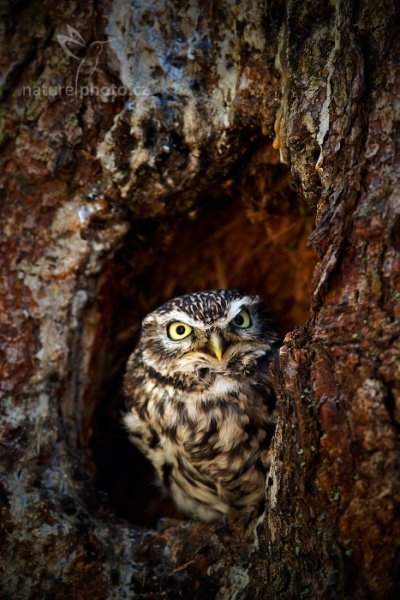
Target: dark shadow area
[250, 234]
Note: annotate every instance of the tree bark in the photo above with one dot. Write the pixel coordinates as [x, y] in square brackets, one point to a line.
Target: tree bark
[110, 202]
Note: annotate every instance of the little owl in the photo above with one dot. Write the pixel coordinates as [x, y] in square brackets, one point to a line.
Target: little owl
[200, 404]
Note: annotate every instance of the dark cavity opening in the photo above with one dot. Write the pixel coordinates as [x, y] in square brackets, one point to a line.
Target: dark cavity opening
[249, 233]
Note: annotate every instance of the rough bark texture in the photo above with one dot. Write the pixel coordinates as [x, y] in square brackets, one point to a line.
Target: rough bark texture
[91, 193]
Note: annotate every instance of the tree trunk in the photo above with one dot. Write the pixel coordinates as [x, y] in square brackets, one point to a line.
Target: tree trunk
[137, 164]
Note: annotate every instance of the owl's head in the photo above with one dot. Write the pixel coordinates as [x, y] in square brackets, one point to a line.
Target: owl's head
[214, 331]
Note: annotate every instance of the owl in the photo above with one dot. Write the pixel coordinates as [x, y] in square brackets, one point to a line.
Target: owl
[200, 405]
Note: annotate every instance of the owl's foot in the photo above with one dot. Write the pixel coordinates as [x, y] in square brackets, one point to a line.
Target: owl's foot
[234, 515]
[167, 523]
[241, 522]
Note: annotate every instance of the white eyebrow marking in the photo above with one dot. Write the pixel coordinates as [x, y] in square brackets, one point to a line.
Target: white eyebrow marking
[234, 310]
[178, 315]
[183, 317]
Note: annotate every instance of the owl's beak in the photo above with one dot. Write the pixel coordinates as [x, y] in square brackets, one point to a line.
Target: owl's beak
[216, 346]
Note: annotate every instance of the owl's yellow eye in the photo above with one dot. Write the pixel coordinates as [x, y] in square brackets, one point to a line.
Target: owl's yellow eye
[242, 320]
[178, 331]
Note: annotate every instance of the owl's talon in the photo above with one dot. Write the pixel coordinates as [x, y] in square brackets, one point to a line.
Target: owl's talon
[234, 515]
[167, 523]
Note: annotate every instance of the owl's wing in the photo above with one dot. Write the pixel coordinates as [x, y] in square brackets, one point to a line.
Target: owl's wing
[138, 430]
